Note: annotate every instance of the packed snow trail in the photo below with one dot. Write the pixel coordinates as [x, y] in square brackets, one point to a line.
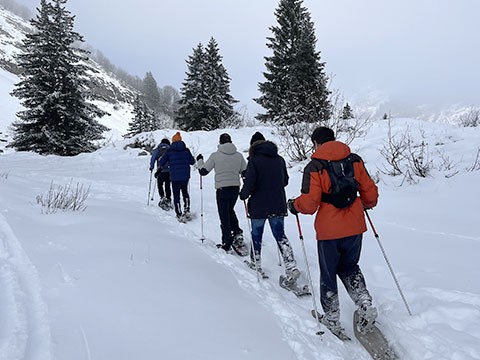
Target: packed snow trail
[24, 324]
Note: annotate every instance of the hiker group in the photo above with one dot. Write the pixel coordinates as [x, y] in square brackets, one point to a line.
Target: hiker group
[335, 186]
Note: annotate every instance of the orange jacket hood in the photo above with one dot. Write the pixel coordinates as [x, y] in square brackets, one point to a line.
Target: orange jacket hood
[331, 150]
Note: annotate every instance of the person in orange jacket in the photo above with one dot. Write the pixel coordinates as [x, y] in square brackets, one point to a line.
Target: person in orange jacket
[338, 231]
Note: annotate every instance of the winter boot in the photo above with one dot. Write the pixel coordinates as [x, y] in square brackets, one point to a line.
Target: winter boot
[290, 278]
[239, 245]
[336, 328]
[367, 314]
[164, 204]
[224, 247]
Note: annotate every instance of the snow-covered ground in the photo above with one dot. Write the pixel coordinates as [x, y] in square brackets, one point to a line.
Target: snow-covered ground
[125, 280]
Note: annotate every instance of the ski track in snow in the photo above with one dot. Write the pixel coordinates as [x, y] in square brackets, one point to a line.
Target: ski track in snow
[24, 325]
[441, 233]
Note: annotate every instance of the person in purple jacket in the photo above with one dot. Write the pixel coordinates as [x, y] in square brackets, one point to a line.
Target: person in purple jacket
[179, 158]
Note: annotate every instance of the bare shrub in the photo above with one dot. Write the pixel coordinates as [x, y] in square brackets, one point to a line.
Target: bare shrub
[476, 163]
[295, 138]
[471, 118]
[64, 197]
[447, 165]
[406, 157]
[394, 151]
[418, 158]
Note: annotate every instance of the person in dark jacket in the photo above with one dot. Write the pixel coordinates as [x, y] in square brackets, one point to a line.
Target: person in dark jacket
[264, 187]
[179, 158]
[162, 174]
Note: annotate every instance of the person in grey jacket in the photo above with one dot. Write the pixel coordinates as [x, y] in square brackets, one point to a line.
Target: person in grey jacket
[229, 165]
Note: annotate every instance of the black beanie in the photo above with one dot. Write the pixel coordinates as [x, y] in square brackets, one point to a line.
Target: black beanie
[225, 138]
[165, 141]
[256, 137]
[322, 135]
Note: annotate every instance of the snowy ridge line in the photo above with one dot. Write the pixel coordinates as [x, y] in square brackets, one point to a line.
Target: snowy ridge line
[442, 233]
[25, 326]
[299, 330]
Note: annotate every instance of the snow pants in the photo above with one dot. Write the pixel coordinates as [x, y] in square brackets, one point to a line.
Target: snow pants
[163, 181]
[340, 257]
[278, 231]
[177, 187]
[226, 200]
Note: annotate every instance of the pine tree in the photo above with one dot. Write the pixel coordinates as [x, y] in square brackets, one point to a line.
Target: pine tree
[295, 89]
[217, 82]
[151, 92]
[53, 89]
[192, 112]
[347, 112]
[205, 101]
[144, 119]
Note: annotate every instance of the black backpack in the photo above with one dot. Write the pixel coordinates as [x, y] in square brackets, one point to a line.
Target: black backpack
[344, 186]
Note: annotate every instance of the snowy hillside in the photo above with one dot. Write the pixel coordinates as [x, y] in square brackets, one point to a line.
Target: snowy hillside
[123, 280]
[111, 95]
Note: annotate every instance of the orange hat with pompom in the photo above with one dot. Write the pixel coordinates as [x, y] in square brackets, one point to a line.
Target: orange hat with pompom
[177, 137]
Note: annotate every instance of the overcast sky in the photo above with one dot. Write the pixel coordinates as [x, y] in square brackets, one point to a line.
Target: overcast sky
[411, 52]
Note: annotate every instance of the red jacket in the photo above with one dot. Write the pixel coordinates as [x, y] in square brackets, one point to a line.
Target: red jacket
[331, 222]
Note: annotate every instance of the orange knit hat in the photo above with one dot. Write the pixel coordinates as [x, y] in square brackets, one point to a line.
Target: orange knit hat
[177, 137]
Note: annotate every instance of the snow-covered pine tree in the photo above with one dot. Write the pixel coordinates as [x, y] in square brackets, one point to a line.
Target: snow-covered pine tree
[144, 119]
[193, 102]
[217, 82]
[295, 89]
[151, 92]
[347, 112]
[205, 101]
[53, 88]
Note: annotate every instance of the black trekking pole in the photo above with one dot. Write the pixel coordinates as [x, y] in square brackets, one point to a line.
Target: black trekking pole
[149, 188]
[201, 207]
[388, 262]
[300, 235]
[251, 240]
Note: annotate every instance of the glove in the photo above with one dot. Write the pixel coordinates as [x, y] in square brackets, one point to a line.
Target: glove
[291, 206]
[151, 168]
[242, 195]
[199, 157]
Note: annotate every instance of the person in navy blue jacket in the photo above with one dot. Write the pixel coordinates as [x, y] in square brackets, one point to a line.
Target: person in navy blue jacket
[162, 174]
[179, 158]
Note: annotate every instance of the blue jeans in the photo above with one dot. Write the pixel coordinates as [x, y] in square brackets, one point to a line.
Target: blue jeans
[340, 257]
[277, 227]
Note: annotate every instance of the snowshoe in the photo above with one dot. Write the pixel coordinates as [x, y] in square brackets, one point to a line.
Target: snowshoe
[165, 204]
[181, 218]
[290, 284]
[252, 266]
[224, 247]
[334, 326]
[373, 340]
